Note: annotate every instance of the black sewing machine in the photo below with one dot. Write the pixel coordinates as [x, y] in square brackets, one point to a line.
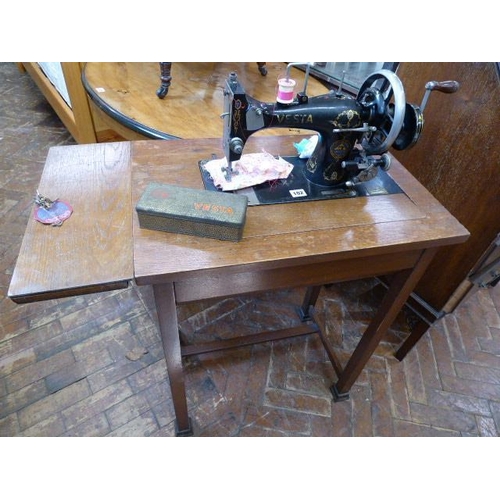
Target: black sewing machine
[354, 133]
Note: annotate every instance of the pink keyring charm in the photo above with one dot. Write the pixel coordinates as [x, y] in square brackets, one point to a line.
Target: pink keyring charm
[55, 214]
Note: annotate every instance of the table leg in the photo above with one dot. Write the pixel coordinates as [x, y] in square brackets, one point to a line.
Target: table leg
[262, 68]
[417, 332]
[399, 290]
[165, 78]
[309, 301]
[169, 331]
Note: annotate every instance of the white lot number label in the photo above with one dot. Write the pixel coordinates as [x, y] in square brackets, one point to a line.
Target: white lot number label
[298, 193]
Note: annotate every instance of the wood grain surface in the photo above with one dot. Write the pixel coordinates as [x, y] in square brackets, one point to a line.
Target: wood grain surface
[195, 99]
[281, 235]
[96, 249]
[92, 250]
[457, 159]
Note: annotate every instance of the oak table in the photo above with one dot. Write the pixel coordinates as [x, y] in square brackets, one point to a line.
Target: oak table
[308, 244]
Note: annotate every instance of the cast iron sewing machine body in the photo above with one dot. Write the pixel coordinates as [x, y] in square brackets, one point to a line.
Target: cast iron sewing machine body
[353, 134]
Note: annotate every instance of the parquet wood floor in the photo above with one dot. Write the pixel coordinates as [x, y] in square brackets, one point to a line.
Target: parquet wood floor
[93, 365]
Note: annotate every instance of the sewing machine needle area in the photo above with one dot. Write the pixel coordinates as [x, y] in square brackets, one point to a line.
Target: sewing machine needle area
[297, 188]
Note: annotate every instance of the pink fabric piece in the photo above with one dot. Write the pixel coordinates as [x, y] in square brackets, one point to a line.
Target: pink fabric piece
[250, 170]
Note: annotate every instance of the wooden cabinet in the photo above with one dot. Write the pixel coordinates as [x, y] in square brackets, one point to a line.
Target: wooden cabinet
[457, 160]
[75, 115]
[83, 121]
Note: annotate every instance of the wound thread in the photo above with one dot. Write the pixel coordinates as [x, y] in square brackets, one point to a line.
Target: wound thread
[286, 87]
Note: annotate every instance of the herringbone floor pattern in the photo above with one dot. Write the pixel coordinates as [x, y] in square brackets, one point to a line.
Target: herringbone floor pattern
[93, 365]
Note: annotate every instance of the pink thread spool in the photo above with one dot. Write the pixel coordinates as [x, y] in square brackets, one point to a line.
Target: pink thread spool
[285, 90]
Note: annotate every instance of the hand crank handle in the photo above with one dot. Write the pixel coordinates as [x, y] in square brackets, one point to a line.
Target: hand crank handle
[448, 87]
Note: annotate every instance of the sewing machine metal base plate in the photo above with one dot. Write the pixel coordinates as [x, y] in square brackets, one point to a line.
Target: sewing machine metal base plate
[297, 188]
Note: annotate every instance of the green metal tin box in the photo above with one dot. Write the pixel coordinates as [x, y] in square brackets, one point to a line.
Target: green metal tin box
[210, 214]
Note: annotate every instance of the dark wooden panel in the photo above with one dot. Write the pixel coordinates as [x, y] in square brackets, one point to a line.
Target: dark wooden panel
[457, 159]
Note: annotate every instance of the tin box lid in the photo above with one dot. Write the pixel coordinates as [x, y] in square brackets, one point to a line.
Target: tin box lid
[166, 200]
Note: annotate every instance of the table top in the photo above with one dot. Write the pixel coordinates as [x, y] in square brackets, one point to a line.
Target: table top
[278, 235]
[102, 246]
[126, 93]
[92, 250]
